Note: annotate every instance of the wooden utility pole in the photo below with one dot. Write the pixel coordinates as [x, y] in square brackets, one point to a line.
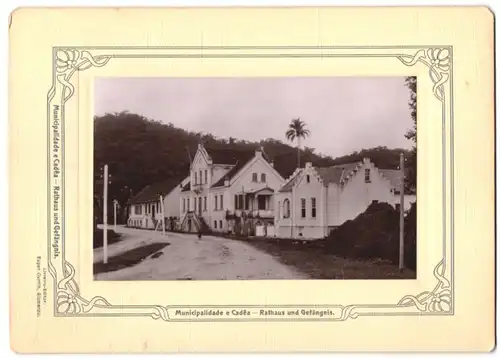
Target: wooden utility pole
[401, 212]
[105, 215]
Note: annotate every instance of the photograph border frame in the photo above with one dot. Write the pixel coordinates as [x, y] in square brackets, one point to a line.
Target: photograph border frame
[68, 301]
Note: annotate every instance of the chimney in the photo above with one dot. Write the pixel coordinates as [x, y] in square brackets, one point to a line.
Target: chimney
[226, 182]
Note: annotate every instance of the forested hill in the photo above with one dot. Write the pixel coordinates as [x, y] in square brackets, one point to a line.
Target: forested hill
[140, 151]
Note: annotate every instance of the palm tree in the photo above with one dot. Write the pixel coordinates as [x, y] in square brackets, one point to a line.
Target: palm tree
[297, 130]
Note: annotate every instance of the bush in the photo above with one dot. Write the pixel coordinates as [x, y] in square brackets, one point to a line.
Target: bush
[375, 234]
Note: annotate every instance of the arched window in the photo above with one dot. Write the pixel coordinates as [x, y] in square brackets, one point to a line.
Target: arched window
[286, 208]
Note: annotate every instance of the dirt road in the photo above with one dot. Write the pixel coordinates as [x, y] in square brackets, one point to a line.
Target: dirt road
[187, 257]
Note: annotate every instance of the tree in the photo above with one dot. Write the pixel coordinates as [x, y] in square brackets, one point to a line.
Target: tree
[411, 83]
[411, 134]
[296, 131]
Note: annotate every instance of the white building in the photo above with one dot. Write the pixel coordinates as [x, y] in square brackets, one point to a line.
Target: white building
[315, 200]
[145, 211]
[229, 191]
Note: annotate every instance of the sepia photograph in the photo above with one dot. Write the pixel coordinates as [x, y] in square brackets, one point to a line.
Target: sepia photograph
[255, 178]
[222, 187]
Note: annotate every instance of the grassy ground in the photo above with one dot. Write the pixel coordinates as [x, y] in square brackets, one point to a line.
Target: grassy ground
[129, 258]
[312, 259]
[113, 237]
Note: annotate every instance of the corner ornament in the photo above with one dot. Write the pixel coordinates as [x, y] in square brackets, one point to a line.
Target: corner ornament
[69, 301]
[438, 60]
[68, 61]
[438, 300]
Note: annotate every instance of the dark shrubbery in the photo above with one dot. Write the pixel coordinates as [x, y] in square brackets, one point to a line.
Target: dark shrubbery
[113, 237]
[375, 234]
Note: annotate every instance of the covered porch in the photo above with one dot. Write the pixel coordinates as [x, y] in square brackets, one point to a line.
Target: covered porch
[253, 208]
[255, 203]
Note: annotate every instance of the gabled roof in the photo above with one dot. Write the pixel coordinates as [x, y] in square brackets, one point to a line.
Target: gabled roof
[239, 158]
[232, 172]
[242, 158]
[336, 174]
[330, 174]
[289, 185]
[153, 191]
[394, 177]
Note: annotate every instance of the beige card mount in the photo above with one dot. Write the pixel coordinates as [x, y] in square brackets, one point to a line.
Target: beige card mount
[65, 294]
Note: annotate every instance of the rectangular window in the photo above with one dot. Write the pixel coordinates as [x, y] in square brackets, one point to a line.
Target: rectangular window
[215, 202]
[201, 178]
[367, 175]
[215, 224]
[303, 207]
[188, 206]
[195, 204]
[206, 176]
[221, 202]
[196, 178]
[183, 205]
[138, 209]
[205, 203]
[313, 207]
[254, 177]
[263, 177]
[308, 179]
[220, 224]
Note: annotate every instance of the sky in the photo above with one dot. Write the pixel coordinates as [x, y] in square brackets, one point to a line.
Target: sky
[343, 114]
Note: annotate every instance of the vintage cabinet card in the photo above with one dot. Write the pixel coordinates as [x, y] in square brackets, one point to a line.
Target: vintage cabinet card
[246, 179]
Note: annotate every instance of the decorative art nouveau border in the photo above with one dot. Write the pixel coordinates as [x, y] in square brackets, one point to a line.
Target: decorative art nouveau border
[68, 299]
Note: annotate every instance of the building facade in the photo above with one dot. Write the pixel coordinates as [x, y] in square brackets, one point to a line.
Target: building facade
[145, 210]
[315, 200]
[229, 191]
